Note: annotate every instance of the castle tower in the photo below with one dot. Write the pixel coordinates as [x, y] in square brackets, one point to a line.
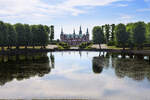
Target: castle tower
[80, 32]
[87, 35]
[62, 31]
[87, 32]
[62, 35]
[74, 32]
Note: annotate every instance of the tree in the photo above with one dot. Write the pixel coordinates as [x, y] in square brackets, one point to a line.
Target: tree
[51, 33]
[148, 32]
[28, 35]
[42, 36]
[121, 35]
[129, 28]
[107, 32]
[47, 29]
[139, 31]
[20, 34]
[34, 35]
[11, 35]
[112, 32]
[98, 35]
[3, 35]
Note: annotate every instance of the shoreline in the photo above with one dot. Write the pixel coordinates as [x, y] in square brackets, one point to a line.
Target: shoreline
[28, 51]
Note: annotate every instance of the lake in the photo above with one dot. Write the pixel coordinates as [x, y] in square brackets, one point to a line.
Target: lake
[74, 75]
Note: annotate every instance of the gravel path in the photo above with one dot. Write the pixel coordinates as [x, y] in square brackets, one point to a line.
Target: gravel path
[51, 46]
[103, 46]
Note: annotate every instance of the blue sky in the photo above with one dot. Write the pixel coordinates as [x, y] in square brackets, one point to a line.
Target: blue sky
[70, 14]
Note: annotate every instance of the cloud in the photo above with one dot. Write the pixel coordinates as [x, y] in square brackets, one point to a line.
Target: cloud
[126, 17]
[35, 10]
[146, 0]
[143, 10]
[122, 5]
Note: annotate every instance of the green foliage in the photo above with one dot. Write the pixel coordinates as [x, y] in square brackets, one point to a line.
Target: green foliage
[121, 35]
[85, 45]
[139, 31]
[98, 35]
[3, 34]
[24, 35]
[148, 33]
[20, 34]
[129, 28]
[131, 35]
[28, 34]
[112, 32]
[51, 33]
[111, 43]
[34, 34]
[107, 32]
[11, 35]
[63, 45]
[42, 35]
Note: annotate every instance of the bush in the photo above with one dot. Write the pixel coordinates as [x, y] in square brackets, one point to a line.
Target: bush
[85, 45]
[111, 43]
[63, 45]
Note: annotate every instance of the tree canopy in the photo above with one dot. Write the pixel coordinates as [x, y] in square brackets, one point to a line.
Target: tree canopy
[130, 35]
[121, 35]
[24, 35]
[98, 35]
[139, 31]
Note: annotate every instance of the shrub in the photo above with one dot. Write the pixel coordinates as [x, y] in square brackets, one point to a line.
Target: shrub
[85, 45]
[63, 45]
[111, 43]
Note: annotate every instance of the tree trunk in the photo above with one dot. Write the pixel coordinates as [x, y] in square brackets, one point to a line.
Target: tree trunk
[17, 47]
[26, 47]
[100, 46]
[33, 47]
[123, 47]
[44, 46]
[11, 47]
[8, 47]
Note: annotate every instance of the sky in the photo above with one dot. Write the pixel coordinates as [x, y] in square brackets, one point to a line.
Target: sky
[71, 14]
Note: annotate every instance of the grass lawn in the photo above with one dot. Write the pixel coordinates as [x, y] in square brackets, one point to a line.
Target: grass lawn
[114, 47]
[117, 48]
[22, 47]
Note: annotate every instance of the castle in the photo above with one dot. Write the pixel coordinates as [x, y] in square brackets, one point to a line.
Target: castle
[74, 39]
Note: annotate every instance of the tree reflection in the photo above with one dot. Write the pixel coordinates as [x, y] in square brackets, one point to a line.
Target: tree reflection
[132, 68]
[137, 69]
[99, 62]
[52, 60]
[23, 67]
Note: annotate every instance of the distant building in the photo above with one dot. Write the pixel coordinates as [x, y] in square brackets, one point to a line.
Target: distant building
[74, 39]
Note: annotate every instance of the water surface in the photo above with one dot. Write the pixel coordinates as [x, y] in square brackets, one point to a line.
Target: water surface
[84, 75]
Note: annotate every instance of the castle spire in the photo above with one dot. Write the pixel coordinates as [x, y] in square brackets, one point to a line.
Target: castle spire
[87, 32]
[62, 31]
[80, 32]
[74, 31]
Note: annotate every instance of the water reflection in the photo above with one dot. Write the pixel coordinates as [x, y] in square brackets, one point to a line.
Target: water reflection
[99, 62]
[96, 75]
[132, 68]
[24, 66]
[135, 68]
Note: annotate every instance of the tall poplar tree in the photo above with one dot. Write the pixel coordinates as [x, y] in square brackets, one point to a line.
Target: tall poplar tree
[98, 35]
